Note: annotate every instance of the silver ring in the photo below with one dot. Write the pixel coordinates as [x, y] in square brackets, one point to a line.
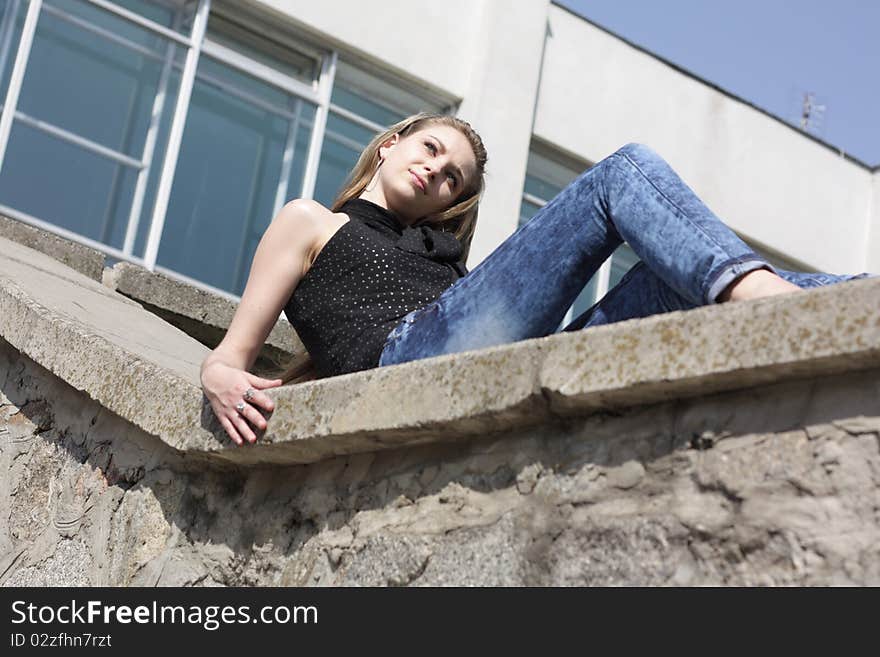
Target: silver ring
[249, 394]
[240, 407]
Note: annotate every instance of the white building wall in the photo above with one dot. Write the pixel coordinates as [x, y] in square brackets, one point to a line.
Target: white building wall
[500, 104]
[766, 180]
[412, 37]
[872, 240]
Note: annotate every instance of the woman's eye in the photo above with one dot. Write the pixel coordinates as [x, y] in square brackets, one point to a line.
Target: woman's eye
[431, 147]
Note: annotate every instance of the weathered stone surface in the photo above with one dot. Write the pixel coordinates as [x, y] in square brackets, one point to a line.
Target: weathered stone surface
[773, 485]
[200, 313]
[99, 341]
[147, 372]
[86, 261]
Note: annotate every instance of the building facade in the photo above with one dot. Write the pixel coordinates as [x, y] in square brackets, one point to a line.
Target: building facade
[169, 132]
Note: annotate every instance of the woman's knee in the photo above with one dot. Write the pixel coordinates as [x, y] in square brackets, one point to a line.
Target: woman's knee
[638, 152]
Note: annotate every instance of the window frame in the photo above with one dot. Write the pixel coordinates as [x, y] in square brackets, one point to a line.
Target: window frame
[185, 63]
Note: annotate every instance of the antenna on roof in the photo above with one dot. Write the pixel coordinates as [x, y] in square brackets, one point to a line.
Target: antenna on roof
[812, 114]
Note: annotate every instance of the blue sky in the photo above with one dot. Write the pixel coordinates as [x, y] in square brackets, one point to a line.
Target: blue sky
[769, 52]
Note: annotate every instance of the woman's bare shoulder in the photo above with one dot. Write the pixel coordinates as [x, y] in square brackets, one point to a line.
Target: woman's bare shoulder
[324, 222]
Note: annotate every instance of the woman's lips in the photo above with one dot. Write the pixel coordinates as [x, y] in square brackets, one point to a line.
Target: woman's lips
[417, 180]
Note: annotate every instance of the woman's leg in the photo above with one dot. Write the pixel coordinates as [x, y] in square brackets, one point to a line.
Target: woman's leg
[523, 289]
[641, 293]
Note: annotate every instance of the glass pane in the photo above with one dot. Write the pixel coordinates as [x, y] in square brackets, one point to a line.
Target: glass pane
[61, 183]
[177, 16]
[540, 188]
[227, 177]
[622, 260]
[380, 98]
[585, 299]
[365, 107]
[343, 143]
[300, 150]
[156, 11]
[109, 21]
[221, 75]
[154, 171]
[527, 210]
[12, 15]
[259, 47]
[93, 86]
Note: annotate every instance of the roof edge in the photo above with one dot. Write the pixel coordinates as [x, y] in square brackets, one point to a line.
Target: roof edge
[873, 168]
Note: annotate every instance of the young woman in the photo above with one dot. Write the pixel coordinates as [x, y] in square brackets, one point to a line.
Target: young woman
[380, 279]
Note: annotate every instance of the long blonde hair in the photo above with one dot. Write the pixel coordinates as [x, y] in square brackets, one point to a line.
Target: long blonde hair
[460, 219]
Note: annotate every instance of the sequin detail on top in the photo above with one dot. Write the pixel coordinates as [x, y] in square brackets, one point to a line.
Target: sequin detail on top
[361, 285]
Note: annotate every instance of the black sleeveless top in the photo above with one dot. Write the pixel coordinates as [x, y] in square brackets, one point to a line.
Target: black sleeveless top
[370, 274]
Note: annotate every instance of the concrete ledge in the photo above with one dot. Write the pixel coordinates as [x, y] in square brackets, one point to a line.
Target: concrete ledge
[199, 313]
[76, 256]
[101, 342]
[147, 371]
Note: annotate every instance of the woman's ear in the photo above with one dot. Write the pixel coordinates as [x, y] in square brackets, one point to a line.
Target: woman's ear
[387, 145]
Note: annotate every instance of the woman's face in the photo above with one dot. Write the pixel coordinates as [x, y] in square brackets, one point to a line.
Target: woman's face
[425, 172]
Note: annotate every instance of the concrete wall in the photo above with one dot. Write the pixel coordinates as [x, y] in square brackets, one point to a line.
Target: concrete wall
[500, 104]
[767, 181]
[771, 486]
[872, 238]
[413, 38]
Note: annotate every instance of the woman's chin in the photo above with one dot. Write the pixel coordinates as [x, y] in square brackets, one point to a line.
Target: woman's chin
[403, 204]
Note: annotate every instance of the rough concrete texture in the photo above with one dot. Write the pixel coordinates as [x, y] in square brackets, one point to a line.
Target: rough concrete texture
[146, 371]
[99, 341]
[198, 312]
[774, 485]
[86, 261]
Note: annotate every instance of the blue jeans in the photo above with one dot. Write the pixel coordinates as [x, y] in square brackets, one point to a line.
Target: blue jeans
[523, 289]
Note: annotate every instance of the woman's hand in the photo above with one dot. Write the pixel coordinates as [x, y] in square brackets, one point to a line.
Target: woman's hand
[235, 396]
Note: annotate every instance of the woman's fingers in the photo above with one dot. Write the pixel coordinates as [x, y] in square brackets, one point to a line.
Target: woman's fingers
[240, 424]
[244, 429]
[264, 383]
[257, 397]
[253, 416]
[262, 400]
[227, 426]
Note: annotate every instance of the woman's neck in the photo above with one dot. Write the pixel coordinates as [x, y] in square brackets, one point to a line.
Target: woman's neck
[378, 197]
[375, 196]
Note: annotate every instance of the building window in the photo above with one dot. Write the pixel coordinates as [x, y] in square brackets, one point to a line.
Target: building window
[547, 173]
[97, 149]
[82, 136]
[243, 154]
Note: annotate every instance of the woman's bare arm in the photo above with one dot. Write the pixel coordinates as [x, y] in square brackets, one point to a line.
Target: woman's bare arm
[279, 264]
[281, 260]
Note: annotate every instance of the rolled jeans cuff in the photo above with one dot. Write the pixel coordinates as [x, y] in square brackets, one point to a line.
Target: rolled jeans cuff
[733, 271]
